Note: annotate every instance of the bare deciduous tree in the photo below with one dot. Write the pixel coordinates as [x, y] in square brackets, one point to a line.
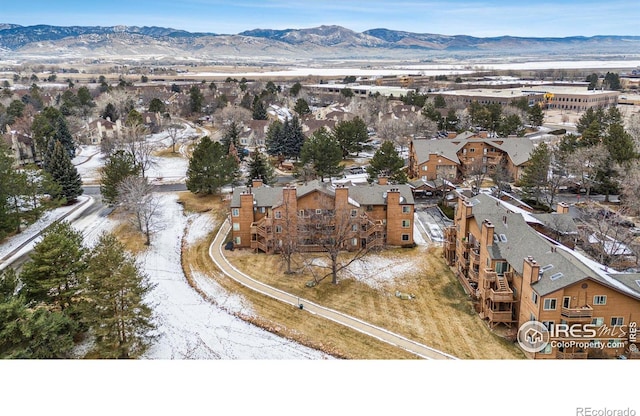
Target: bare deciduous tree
[584, 162]
[605, 235]
[135, 194]
[172, 131]
[335, 230]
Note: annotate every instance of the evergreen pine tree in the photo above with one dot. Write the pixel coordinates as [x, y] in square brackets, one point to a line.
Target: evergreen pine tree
[64, 173]
[231, 135]
[63, 135]
[116, 288]
[322, 153]
[387, 162]
[53, 273]
[210, 167]
[275, 139]
[259, 110]
[351, 134]
[294, 138]
[118, 166]
[535, 174]
[260, 168]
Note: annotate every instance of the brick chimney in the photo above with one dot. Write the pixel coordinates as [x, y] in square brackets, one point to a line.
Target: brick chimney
[290, 198]
[342, 197]
[531, 270]
[487, 233]
[256, 183]
[383, 180]
[562, 208]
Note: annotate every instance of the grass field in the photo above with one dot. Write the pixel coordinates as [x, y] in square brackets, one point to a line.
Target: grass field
[440, 315]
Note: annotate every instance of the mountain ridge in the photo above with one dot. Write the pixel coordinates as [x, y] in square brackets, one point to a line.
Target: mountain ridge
[322, 42]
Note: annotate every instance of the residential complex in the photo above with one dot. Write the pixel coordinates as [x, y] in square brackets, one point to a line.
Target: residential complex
[508, 261]
[452, 158]
[357, 217]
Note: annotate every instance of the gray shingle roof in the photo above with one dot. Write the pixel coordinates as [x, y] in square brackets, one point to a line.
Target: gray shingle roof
[516, 240]
[517, 148]
[369, 194]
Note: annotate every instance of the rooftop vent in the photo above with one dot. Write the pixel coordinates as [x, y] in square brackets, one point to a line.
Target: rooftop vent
[503, 238]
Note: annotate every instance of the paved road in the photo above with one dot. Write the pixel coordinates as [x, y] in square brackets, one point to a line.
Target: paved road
[216, 254]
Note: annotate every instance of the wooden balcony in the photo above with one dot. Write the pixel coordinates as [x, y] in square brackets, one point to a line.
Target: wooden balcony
[577, 315]
[473, 275]
[490, 275]
[474, 255]
[564, 355]
[500, 296]
[498, 316]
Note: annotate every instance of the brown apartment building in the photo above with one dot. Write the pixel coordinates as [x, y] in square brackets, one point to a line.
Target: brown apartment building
[451, 158]
[362, 216]
[518, 275]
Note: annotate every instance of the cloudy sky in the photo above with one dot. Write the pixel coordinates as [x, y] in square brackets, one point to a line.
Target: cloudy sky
[537, 18]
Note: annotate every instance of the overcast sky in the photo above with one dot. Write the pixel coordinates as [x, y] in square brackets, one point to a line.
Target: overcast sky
[542, 18]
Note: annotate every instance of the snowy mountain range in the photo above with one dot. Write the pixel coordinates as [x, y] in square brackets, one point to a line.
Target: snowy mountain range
[324, 42]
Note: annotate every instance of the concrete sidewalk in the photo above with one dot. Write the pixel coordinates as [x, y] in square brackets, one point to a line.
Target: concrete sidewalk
[216, 254]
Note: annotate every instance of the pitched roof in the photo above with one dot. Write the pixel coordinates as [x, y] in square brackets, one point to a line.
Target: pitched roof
[517, 148]
[515, 240]
[369, 194]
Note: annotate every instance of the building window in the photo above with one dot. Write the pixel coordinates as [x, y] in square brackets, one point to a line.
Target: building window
[532, 317]
[501, 267]
[369, 207]
[235, 212]
[354, 227]
[261, 209]
[237, 241]
[406, 223]
[354, 241]
[302, 213]
[278, 229]
[236, 226]
[617, 321]
[425, 168]
[549, 304]
[597, 321]
[406, 209]
[278, 215]
[600, 300]
[405, 237]
[534, 297]
[354, 212]
[548, 324]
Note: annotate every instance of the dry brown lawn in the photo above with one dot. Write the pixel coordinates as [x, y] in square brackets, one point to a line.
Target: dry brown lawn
[286, 320]
[440, 315]
[132, 239]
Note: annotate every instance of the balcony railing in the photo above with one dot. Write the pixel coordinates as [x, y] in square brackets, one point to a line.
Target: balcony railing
[500, 296]
[490, 275]
[584, 313]
[475, 256]
[498, 316]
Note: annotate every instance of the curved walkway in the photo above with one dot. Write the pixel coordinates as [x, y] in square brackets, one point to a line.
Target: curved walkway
[216, 254]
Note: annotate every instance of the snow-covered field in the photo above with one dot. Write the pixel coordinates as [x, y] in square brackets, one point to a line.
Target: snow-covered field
[189, 327]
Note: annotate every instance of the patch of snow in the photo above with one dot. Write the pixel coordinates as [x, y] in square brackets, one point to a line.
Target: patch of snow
[379, 272]
[201, 225]
[189, 327]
